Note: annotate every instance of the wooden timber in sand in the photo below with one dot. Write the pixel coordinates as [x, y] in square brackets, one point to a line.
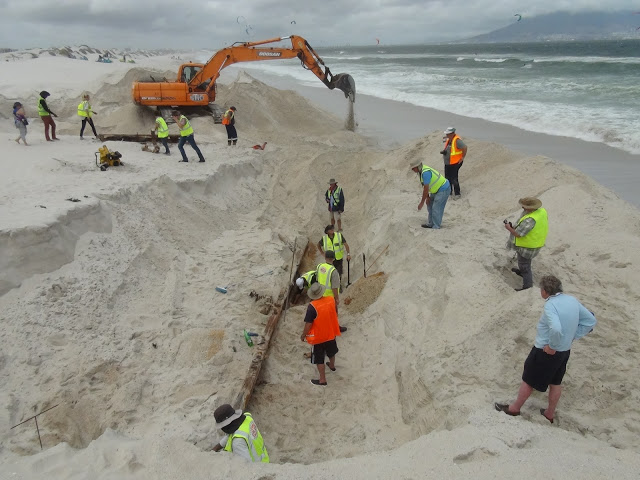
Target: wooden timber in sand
[242, 400]
[138, 137]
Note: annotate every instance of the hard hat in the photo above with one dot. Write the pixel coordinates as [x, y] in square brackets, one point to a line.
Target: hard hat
[300, 283]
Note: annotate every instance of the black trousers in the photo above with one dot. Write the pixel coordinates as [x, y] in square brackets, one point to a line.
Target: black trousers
[232, 135]
[451, 174]
[84, 124]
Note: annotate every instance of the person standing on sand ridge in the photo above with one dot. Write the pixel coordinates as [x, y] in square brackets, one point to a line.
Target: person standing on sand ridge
[229, 121]
[45, 114]
[453, 154]
[563, 320]
[435, 193]
[334, 196]
[186, 135]
[528, 237]
[85, 112]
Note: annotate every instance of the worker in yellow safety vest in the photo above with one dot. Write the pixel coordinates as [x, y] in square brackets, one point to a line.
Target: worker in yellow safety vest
[453, 153]
[85, 112]
[332, 240]
[435, 193]
[162, 130]
[329, 278]
[229, 121]
[306, 279]
[334, 196]
[528, 237]
[186, 135]
[242, 435]
[45, 114]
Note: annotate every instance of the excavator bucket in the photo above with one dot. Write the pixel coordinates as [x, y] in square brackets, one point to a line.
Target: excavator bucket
[345, 82]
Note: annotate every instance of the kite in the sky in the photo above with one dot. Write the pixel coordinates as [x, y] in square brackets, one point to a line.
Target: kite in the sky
[519, 16]
[293, 22]
[241, 22]
[378, 41]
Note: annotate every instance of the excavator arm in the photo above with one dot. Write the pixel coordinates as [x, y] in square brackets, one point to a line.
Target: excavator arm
[199, 89]
[254, 51]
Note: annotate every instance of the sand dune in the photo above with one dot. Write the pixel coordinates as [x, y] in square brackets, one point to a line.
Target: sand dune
[109, 308]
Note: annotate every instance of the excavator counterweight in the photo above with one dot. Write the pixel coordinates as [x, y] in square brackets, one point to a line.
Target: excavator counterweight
[195, 84]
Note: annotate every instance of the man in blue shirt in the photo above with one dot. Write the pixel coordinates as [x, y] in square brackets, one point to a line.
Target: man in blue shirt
[564, 319]
[435, 193]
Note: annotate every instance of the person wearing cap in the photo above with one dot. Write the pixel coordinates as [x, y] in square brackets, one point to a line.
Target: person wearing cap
[337, 243]
[86, 112]
[435, 193]
[242, 435]
[563, 320]
[21, 122]
[45, 114]
[453, 154]
[186, 135]
[320, 331]
[334, 196]
[229, 121]
[528, 237]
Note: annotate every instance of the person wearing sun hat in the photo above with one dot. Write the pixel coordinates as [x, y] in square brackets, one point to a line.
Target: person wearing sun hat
[527, 237]
[321, 328]
[334, 196]
[453, 155]
[242, 435]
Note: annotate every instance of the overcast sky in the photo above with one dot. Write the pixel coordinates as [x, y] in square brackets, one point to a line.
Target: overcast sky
[211, 24]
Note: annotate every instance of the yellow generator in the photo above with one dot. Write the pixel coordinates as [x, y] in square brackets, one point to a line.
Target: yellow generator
[107, 158]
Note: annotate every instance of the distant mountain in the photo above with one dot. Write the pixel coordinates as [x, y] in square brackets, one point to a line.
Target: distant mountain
[566, 26]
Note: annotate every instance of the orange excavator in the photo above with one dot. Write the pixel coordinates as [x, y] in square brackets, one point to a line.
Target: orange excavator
[196, 82]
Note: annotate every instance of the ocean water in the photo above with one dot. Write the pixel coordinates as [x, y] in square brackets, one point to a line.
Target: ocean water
[585, 90]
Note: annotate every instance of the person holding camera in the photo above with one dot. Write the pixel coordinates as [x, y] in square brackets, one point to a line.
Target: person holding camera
[453, 155]
[527, 237]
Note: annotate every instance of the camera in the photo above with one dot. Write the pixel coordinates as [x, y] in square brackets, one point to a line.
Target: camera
[507, 222]
[443, 152]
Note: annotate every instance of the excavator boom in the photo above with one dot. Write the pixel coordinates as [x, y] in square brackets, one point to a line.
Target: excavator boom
[196, 83]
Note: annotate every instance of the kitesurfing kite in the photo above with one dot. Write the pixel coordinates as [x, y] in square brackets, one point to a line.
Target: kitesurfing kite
[519, 16]
[378, 41]
[293, 22]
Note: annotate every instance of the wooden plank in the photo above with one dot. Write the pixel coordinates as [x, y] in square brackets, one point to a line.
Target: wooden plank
[138, 137]
[242, 400]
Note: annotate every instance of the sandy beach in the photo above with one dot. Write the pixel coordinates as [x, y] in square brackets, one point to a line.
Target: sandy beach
[108, 304]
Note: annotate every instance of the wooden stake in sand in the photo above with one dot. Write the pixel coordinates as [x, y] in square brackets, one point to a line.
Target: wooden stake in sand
[365, 270]
[35, 417]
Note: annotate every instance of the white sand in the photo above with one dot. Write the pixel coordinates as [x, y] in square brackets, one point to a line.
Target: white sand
[89, 288]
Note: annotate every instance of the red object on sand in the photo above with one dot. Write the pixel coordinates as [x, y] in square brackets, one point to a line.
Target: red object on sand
[260, 147]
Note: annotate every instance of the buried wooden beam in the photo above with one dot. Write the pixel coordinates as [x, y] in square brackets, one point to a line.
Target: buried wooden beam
[138, 137]
[242, 400]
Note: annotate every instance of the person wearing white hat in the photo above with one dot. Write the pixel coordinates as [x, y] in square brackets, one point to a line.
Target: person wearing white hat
[334, 196]
[527, 237]
[453, 154]
[242, 435]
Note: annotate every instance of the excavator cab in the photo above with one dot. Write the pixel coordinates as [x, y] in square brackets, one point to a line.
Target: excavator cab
[344, 82]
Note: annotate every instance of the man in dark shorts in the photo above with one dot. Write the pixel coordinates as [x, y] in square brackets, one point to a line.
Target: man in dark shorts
[320, 331]
[564, 319]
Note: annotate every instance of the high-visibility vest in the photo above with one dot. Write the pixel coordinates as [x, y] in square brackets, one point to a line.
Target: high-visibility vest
[228, 117]
[249, 432]
[84, 109]
[309, 278]
[41, 111]
[323, 277]
[325, 327]
[187, 129]
[163, 129]
[537, 236]
[336, 196]
[336, 245]
[455, 155]
[437, 180]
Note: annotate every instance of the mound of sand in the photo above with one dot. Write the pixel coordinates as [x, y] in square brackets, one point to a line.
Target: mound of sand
[109, 308]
